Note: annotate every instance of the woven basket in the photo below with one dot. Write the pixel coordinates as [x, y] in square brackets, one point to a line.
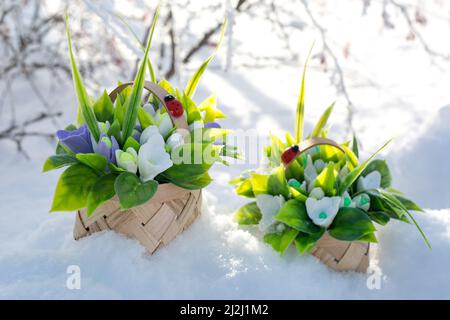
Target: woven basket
[154, 224]
[343, 255]
[336, 254]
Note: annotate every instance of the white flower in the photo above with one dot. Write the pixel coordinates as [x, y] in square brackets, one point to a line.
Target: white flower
[347, 200]
[150, 109]
[371, 181]
[127, 160]
[196, 125]
[152, 158]
[362, 201]
[310, 171]
[317, 193]
[323, 211]
[163, 122]
[147, 133]
[319, 165]
[269, 206]
[175, 140]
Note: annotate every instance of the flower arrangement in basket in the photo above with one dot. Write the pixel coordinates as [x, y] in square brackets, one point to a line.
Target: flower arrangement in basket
[317, 195]
[138, 167]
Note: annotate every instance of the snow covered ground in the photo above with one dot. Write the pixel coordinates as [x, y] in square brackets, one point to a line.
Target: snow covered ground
[217, 259]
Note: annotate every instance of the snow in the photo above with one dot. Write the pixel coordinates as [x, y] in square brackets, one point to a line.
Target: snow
[217, 259]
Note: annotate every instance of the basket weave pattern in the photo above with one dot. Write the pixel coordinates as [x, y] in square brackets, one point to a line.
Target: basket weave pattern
[343, 255]
[154, 224]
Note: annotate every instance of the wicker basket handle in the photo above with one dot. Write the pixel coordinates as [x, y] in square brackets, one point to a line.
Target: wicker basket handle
[161, 94]
[291, 153]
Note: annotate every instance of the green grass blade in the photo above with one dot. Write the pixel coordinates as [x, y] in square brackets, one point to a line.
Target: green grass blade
[132, 107]
[83, 98]
[194, 81]
[350, 178]
[136, 38]
[322, 121]
[396, 203]
[299, 116]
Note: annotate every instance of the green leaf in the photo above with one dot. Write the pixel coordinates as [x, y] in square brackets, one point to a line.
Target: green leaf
[382, 167]
[133, 104]
[193, 114]
[290, 141]
[394, 202]
[101, 191]
[132, 192]
[93, 160]
[115, 169]
[136, 38]
[144, 118]
[379, 217]
[301, 104]
[83, 98]
[327, 180]
[245, 189]
[73, 188]
[355, 147]
[370, 237]
[248, 214]
[280, 241]
[193, 82]
[132, 143]
[409, 204]
[351, 224]
[114, 131]
[305, 242]
[274, 184]
[104, 109]
[209, 106]
[58, 161]
[322, 121]
[293, 213]
[351, 156]
[192, 172]
[350, 178]
[167, 86]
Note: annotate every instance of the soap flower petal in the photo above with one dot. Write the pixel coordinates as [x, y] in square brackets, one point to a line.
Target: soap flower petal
[77, 141]
[107, 147]
[269, 206]
[362, 201]
[127, 160]
[196, 125]
[152, 157]
[370, 181]
[163, 122]
[322, 212]
[175, 140]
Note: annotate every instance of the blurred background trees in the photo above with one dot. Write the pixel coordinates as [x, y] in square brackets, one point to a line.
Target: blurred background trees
[34, 69]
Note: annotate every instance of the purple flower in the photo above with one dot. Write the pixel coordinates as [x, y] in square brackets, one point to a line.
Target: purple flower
[77, 141]
[107, 147]
[212, 125]
[137, 133]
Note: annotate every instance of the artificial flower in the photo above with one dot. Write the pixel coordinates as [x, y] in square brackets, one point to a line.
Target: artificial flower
[152, 158]
[323, 211]
[317, 193]
[107, 147]
[127, 160]
[362, 201]
[346, 200]
[163, 122]
[175, 140]
[310, 171]
[370, 181]
[212, 125]
[77, 141]
[269, 206]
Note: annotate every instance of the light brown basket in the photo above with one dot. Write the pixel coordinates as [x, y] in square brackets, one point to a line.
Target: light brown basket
[154, 224]
[336, 254]
[342, 255]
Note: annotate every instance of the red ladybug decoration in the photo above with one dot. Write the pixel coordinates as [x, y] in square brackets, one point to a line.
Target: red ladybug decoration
[289, 154]
[174, 106]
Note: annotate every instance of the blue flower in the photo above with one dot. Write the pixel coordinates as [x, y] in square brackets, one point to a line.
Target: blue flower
[107, 147]
[77, 141]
